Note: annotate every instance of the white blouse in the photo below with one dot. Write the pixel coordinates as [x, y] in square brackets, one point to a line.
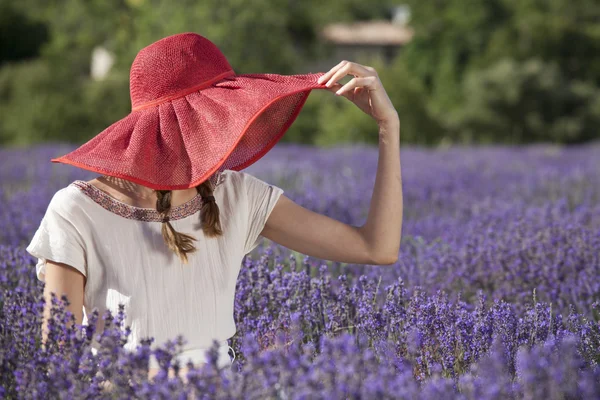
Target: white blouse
[120, 250]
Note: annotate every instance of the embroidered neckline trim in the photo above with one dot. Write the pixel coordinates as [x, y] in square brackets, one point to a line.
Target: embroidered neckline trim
[125, 210]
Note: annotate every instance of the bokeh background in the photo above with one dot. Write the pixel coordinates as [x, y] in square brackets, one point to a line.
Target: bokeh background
[496, 290]
[458, 72]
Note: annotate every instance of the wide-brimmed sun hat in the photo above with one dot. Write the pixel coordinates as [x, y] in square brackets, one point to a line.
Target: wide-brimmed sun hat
[192, 116]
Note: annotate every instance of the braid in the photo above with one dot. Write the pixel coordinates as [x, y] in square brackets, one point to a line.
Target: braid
[181, 243]
[209, 214]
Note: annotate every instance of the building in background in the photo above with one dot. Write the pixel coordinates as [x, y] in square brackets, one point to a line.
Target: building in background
[102, 61]
[366, 39]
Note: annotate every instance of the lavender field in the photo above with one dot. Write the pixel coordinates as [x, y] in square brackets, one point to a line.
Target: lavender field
[495, 295]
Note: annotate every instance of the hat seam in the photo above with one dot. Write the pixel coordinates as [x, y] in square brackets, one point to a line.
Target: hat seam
[183, 92]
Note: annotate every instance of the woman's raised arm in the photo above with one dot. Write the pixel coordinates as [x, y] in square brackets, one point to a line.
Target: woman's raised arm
[378, 240]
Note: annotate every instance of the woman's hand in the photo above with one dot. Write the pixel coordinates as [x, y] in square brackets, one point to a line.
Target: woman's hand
[365, 90]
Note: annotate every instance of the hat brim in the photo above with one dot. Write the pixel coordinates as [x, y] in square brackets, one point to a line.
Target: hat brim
[181, 143]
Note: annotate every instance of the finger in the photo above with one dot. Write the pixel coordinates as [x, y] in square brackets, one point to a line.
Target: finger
[328, 74]
[336, 87]
[367, 82]
[339, 74]
[352, 68]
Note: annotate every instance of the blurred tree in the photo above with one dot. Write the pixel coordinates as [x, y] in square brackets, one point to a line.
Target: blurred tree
[449, 84]
[276, 36]
[520, 102]
[455, 39]
[20, 36]
[561, 32]
[39, 105]
[341, 121]
[45, 107]
[449, 37]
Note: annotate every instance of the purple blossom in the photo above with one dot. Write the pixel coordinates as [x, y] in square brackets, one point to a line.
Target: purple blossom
[494, 295]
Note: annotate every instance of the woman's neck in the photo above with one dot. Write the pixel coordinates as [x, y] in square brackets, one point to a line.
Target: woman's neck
[138, 195]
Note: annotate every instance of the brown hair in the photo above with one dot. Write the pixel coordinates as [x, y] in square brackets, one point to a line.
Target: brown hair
[181, 243]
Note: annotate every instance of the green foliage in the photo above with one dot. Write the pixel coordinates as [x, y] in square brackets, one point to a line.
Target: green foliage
[518, 102]
[341, 121]
[20, 37]
[47, 105]
[508, 70]
[107, 100]
[478, 71]
[561, 32]
[418, 122]
[54, 97]
[449, 37]
[39, 104]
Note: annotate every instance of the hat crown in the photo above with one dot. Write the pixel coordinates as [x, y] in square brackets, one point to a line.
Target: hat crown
[174, 66]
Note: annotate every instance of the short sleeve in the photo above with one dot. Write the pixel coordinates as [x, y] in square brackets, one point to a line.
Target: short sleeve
[261, 199]
[59, 236]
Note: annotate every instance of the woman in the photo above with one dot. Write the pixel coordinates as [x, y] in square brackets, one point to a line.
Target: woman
[166, 225]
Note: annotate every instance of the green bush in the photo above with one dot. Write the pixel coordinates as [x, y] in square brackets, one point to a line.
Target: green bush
[20, 36]
[496, 71]
[520, 102]
[340, 121]
[36, 106]
[41, 104]
[105, 102]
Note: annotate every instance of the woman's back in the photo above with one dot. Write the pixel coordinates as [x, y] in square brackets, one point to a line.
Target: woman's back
[120, 250]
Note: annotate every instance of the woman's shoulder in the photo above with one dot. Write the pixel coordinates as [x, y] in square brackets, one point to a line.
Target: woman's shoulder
[67, 200]
[248, 182]
[237, 178]
[239, 182]
[230, 178]
[66, 195]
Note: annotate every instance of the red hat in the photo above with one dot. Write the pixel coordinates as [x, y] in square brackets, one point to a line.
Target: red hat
[192, 116]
